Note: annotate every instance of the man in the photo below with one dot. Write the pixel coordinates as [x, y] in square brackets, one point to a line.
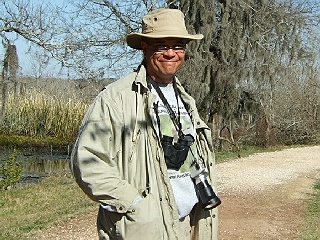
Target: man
[143, 152]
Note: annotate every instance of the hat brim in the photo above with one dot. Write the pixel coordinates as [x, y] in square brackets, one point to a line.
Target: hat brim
[134, 39]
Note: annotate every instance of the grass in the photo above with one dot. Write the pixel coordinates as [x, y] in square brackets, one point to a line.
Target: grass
[35, 141]
[39, 114]
[311, 227]
[223, 156]
[37, 206]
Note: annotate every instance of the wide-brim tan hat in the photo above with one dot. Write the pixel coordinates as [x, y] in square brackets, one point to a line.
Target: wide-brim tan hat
[162, 23]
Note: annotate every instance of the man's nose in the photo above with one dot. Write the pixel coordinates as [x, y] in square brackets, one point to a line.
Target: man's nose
[170, 52]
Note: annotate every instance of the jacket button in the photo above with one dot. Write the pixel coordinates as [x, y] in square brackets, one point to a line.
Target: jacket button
[120, 208]
[198, 123]
[160, 199]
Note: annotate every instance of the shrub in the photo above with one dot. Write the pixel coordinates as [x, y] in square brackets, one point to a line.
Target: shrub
[11, 171]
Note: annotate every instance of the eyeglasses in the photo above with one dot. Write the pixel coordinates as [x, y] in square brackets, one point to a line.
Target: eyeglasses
[163, 48]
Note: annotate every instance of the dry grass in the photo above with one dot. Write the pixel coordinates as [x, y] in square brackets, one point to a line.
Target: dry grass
[40, 114]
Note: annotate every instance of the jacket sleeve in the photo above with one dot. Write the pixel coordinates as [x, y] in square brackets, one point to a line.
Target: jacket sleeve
[96, 157]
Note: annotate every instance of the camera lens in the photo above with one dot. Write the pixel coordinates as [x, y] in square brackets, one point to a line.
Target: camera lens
[208, 197]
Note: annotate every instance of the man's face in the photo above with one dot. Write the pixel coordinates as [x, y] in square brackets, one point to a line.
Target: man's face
[164, 57]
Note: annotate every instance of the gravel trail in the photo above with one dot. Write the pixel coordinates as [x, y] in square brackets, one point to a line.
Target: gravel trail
[261, 171]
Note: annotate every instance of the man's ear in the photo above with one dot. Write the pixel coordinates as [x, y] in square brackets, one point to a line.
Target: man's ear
[144, 47]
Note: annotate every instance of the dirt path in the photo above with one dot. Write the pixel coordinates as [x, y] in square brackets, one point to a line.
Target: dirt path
[264, 194]
[263, 197]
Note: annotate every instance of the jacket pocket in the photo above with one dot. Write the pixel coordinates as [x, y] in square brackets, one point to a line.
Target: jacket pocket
[143, 220]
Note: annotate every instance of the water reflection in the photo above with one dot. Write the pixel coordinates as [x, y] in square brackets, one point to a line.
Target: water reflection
[39, 162]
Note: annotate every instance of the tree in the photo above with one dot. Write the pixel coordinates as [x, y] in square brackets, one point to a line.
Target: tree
[98, 29]
[33, 24]
[249, 47]
[9, 73]
[86, 36]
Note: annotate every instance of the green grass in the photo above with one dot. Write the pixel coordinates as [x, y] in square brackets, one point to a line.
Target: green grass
[37, 206]
[223, 156]
[311, 227]
[35, 141]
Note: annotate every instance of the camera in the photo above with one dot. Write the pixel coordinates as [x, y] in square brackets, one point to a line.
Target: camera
[176, 153]
[207, 195]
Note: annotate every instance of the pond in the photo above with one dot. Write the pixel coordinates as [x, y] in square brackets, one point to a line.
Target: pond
[39, 162]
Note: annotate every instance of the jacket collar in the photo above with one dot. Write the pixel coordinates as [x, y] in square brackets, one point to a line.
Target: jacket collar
[141, 77]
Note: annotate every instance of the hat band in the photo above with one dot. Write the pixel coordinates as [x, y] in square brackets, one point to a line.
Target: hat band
[166, 32]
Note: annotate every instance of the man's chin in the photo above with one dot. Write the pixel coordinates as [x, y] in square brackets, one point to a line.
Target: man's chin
[170, 71]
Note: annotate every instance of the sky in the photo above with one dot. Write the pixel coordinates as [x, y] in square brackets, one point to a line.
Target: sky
[28, 52]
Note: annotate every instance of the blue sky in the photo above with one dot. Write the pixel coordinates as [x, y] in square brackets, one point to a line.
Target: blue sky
[27, 52]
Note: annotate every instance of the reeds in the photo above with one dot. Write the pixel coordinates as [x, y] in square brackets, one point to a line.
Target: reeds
[39, 114]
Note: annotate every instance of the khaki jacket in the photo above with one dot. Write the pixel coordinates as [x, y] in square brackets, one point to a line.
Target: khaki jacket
[118, 156]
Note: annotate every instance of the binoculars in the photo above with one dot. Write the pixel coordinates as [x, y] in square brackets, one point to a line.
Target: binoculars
[176, 153]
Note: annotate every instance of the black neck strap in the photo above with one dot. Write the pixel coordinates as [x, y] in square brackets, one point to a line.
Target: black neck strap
[174, 118]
